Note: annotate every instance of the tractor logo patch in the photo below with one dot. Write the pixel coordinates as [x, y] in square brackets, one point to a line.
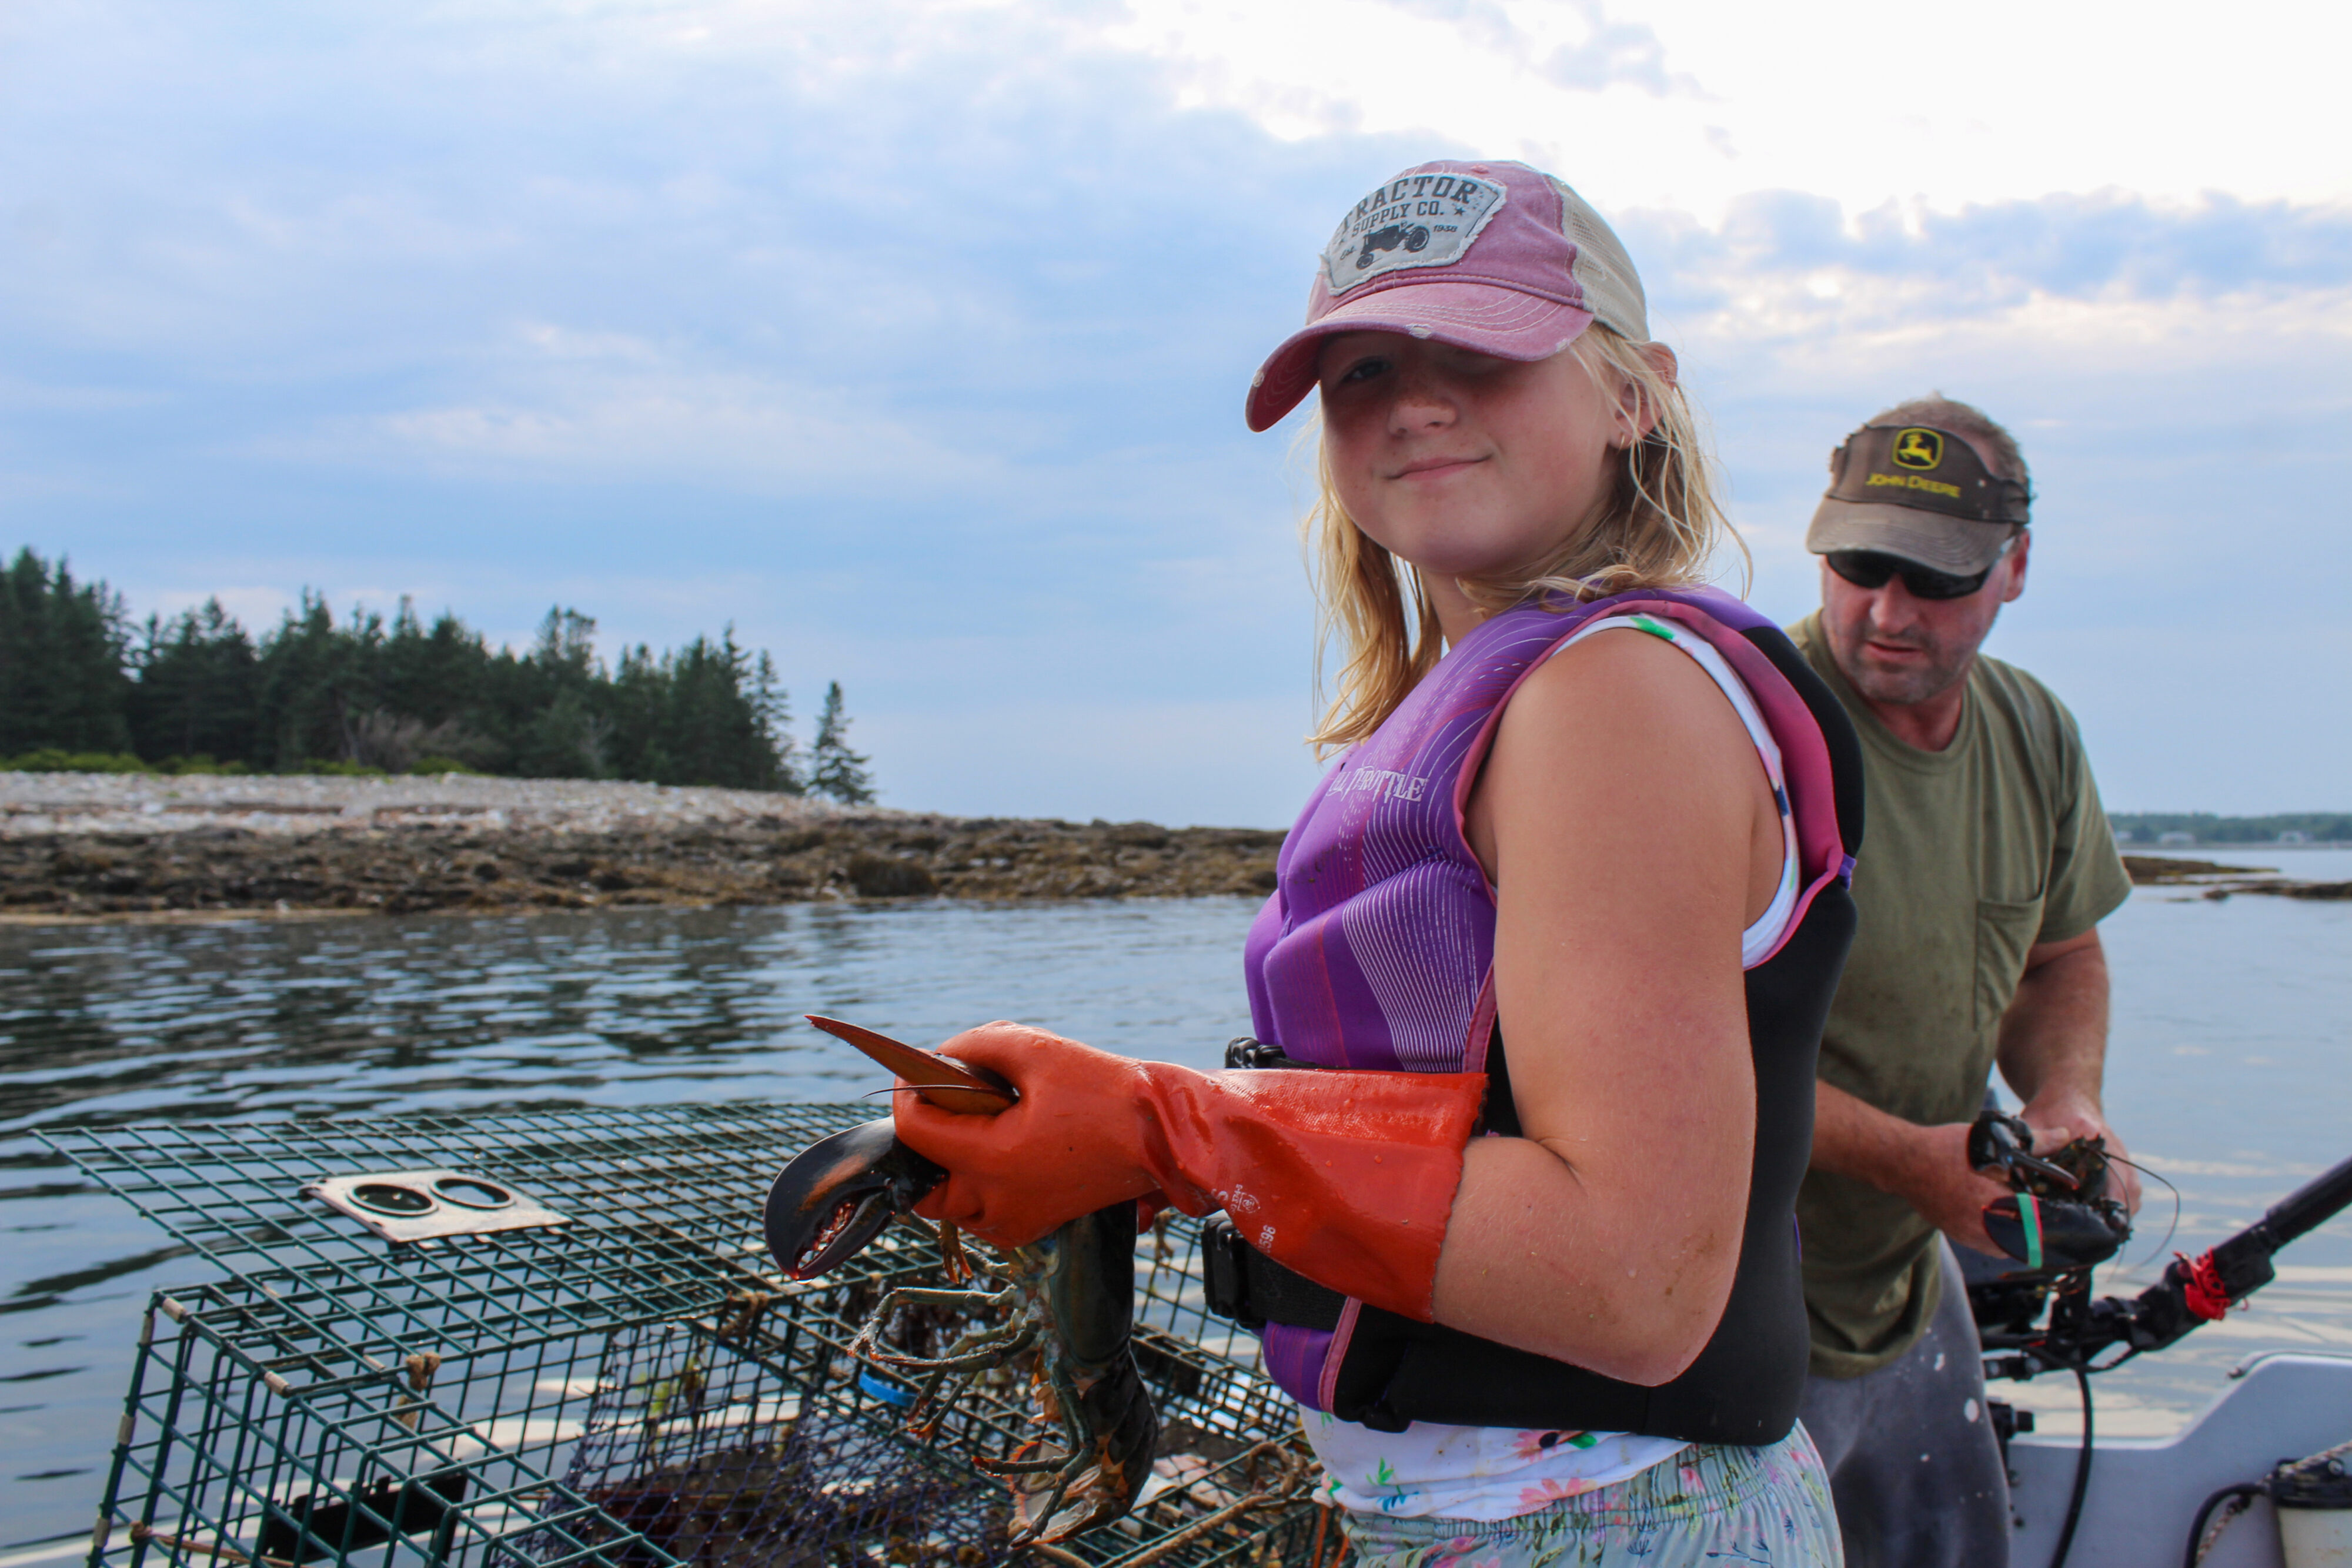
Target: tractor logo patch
[1916, 448]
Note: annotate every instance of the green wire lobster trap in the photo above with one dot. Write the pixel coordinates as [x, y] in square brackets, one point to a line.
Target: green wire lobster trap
[555, 1338]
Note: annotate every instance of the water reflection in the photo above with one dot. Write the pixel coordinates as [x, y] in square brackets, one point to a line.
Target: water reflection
[102, 1025]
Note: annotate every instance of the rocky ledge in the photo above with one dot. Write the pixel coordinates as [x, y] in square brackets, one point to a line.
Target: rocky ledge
[2212, 880]
[81, 846]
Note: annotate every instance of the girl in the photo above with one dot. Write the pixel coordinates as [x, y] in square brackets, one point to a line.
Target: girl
[1540, 1302]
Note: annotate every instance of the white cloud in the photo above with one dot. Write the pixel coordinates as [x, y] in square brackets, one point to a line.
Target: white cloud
[1695, 102]
[2017, 98]
[1501, 78]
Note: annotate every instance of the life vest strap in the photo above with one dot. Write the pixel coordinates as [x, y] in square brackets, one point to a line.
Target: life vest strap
[1243, 1283]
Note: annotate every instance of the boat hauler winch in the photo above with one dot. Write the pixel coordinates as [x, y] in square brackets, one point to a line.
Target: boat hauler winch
[2041, 1317]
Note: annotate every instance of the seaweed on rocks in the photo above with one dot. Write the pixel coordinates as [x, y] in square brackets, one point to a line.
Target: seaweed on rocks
[370, 866]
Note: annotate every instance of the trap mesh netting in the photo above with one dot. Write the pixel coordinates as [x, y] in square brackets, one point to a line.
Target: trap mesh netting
[617, 1377]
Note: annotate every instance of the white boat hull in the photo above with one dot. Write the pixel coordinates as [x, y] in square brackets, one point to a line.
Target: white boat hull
[2144, 1491]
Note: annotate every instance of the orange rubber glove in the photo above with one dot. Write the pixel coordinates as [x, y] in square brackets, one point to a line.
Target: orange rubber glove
[1347, 1177]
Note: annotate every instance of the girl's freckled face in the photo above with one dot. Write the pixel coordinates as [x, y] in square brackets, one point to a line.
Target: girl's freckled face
[1461, 463]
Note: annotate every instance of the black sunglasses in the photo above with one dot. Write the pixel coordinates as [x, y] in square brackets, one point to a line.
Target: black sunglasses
[1869, 569]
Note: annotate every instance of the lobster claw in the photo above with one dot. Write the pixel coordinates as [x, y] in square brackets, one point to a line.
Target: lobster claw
[836, 1194]
[2054, 1235]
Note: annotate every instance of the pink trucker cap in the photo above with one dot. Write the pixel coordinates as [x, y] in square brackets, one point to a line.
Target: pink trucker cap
[1498, 258]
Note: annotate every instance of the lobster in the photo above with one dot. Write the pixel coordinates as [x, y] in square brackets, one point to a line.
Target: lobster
[1068, 1298]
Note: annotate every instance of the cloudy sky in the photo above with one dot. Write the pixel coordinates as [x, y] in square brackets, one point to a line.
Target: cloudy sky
[910, 337]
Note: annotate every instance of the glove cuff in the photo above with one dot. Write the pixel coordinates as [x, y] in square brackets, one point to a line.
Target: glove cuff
[1348, 1177]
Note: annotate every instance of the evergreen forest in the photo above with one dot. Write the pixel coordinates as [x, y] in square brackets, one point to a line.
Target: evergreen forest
[2137, 828]
[82, 685]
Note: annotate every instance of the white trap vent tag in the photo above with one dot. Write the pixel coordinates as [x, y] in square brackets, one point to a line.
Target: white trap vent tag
[422, 1206]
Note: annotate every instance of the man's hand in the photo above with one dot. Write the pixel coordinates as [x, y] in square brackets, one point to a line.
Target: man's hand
[2059, 1119]
[1928, 1167]
[1937, 1182]
[2052, 1050]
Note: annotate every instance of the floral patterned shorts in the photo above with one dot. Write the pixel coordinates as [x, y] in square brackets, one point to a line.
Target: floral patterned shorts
[1706, 1506]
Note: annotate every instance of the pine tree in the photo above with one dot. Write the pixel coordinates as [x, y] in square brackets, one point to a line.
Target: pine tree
[198, 687]
[561, 727]
[834, 770]
[63, 648]
[318, 682]
[772, 707]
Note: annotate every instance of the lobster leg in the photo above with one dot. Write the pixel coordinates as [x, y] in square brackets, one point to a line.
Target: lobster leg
[974, 1353]
[969, 1367]
[1038, 1518]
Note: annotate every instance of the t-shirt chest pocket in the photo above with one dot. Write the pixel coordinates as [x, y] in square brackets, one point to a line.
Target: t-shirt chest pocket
[2005, 933]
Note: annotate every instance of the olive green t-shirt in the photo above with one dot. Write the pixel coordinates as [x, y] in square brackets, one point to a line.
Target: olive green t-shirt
[1974, 854]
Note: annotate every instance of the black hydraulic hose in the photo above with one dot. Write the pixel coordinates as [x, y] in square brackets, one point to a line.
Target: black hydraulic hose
[2314, 1203]
[2082, 1477]
[2229, 1271]
[2196, 1531]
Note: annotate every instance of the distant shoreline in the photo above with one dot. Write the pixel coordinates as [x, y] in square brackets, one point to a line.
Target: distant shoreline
[135, 847]
[2164, 830]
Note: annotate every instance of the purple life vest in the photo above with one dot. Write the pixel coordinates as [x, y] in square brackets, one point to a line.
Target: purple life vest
[1376, 952]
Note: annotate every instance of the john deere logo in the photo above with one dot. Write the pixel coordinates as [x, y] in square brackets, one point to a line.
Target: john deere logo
[1916, 448]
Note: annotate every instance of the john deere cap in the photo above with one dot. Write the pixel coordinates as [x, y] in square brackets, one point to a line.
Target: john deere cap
[1920, 493]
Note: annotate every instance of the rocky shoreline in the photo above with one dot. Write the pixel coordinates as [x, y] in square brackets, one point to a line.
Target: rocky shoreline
[2211, 879]
[115, 847]
[112, 847]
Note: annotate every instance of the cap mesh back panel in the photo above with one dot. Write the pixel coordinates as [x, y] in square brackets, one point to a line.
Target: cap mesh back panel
[1611, 286]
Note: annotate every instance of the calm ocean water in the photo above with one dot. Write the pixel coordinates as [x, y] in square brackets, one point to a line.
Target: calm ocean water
[2229, 1075]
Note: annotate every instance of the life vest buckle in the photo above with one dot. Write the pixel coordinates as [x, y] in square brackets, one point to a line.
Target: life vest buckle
[1224, 1272]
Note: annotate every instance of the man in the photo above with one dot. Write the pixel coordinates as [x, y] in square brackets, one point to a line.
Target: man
[1988, 866]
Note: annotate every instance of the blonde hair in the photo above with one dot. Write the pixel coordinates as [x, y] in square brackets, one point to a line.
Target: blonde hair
[1659, 528]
